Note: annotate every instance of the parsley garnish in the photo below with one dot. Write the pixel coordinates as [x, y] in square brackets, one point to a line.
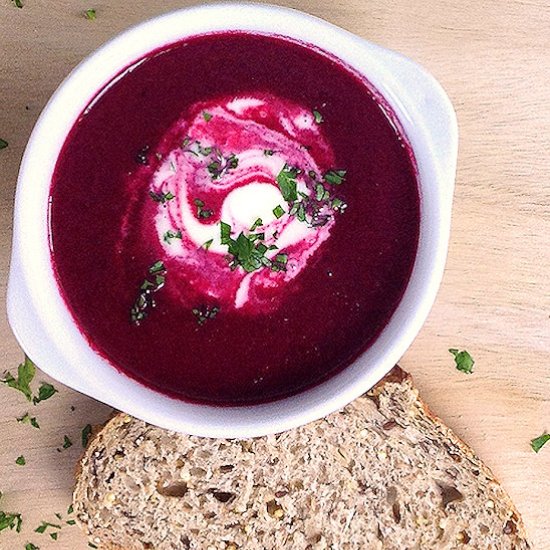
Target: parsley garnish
[45, 391]
[86, 433]
[162, 197]
[256, 224]
[206, 116]
[278, 211]
[169, 235]
[31, 546]
[90, 14]
[221, 165]
[66, 444]
[268, 152]
[201, 211]
[20, 460]
[3, 142]
[10, 521]
[70, 509]
[539, 442]
[464, 361]
[70, 522]
[279, 262]
[286, 179]
[25, 374]
[27, 419]
[149, 286]
[18, 3]
[335, 177]
[54, 536]
[338, 204]
[44, 525]
[207, 244]
[318, 116]
[204, 313]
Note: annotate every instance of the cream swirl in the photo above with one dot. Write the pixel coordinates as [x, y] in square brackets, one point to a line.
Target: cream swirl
[220, 166]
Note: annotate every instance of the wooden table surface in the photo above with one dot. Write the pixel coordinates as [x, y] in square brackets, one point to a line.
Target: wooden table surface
[493, 58]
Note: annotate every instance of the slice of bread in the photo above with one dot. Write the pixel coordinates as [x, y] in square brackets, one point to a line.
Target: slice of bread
[383, 473]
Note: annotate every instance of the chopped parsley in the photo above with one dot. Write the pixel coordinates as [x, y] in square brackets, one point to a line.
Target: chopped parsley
[90, 14]
[86, 433]
[27, 419]
[318, 116]
[25, 374]
[161, 197]
[338, 205]
[31, 546]
[66, 444]
[207, 244]
[286, 180]
[278, 211]
[202, 213]
[335, 177]
[221, 165]
[3, 142]
[18, 3]
[169, 235]
[10, 521]
[70, 509]
[538, 443]
[256, 224]
[150, 285]
[20, 460]
[463, 360]
[204, 313]
[207, 116]
[45, 391]
[54, 536]
[70, 522]
[44, 525]
[268, 152]
[279, 262]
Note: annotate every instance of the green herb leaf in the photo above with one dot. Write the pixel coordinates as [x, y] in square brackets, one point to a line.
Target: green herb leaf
[58, 515]
[18, 3]
[338, 204]
[256, 224]
[204, 313]
[27, 419]
[70, 509]
[20, 460]
[318, 116]
[161, 197]
[90, 14]
[202, 212]
[208, 244]
[66, 444]
[92, 545]
[70, 522]
[31, 546]
[268, 152]
[3, 142]
[286, 180]
[539, 442]
[225, 233]
[464, 361]
[54, 535]
[86, 433]
[169, 235]
[157, 267]
[45, 391]
[25, 374]
[44, 525]
[335, 177]
[278, 211]
[206, 116]
[10, 521]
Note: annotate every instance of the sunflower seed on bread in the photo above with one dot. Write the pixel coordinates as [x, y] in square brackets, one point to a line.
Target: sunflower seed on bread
[384, 473]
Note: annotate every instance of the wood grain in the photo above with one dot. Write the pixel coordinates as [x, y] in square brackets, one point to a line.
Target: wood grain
[493, 58]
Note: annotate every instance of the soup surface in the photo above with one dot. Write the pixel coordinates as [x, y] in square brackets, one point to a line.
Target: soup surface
[234, 219]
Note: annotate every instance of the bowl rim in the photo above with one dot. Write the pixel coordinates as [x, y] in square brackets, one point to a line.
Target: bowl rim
[83, 368]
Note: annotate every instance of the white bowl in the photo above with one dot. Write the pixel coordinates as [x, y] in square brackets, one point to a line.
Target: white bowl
[45, 328]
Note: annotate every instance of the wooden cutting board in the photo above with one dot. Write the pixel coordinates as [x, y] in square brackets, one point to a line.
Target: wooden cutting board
[493, 58]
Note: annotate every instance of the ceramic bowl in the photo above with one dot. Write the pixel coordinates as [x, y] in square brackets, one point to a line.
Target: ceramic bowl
[44, 326]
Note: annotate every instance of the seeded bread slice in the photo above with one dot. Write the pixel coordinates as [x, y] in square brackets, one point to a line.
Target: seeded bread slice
[383, 473]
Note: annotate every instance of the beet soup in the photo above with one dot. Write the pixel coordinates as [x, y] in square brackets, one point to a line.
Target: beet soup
[234, 219]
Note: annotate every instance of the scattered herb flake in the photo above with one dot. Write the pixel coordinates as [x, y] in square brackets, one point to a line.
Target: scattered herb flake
[86, 433]
[44, 525]
[70, 522]
[3, 142]
[201, 211]
[162, 197]
[221, 165]
[335, 177]
[10, 521]
[463, 360]
[204, 313]
[54, 535]
[27, 419]
[20, 460]
[538, 443]
[318, 116]
[268, 152]
[31, 546]
[90, 14]
[225, 233]
[18, 3]
[208, 244]
[45, 391]
[25, 374]
[58, 515]
[169, 235]
[207, 116]
[286, 180]
[278, 211]
[70, 509]
[66, 444]
[256, 224]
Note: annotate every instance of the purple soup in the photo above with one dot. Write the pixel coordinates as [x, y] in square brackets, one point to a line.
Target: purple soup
[234, 219]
